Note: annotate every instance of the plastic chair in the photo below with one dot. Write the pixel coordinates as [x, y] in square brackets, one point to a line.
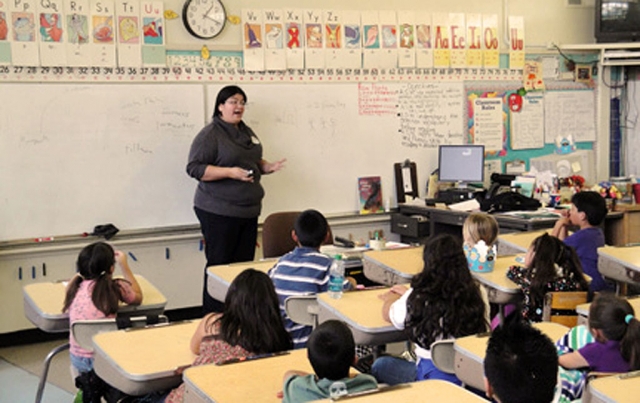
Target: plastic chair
[276, 234]
[442, 355]
[302, 309]
[560, 307]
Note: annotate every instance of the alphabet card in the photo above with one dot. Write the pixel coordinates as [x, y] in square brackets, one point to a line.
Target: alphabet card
[458, 47]
[153, 34]
[129, 33]
[333, 39]
[294, 36]
[442, 41]
[51, 28]
[371, 39]
[253, 40]
[78, 37]
[5, 45]
[103, 42]
[352, 54]
[275, 57]
[388, 39]
[424, 40]
[516, 42]
[24, 43]
[314, 39]
[474, 43]
[406, 39]
[491, 42]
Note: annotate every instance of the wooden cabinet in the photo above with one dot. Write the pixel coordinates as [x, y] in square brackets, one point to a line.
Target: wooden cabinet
[627, 229]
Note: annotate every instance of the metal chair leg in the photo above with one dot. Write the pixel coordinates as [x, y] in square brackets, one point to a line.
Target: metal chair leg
[45, 370]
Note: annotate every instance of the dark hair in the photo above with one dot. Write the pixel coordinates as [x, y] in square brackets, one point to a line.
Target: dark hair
[311, 228]
[226, 93]
[331, 350]
[549, 251]
[445, 300]
[609, 314]
[251, 316]
[521, 364]
[592, 204]
[94, 263]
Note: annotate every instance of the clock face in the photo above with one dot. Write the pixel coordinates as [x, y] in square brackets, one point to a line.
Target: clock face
[204, 19]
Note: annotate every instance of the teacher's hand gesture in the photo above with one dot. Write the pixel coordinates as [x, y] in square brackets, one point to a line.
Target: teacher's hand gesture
[271, 167]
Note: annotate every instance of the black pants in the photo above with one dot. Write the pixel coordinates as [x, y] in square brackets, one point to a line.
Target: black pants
[227, 240]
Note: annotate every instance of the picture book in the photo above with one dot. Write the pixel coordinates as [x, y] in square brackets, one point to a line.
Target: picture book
[370, 190]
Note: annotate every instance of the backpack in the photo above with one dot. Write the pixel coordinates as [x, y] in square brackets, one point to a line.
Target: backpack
[509, 201]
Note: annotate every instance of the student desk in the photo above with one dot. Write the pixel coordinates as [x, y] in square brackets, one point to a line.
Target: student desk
[471, 350]
[362, 312]
[219, 277]
[43, 304]
[583, 310]
[620, 263]
[500, 289]
[623, 388]
[256, 380]
[517, 242]
[140, 361]
[431, 390]
[43, 307]
[392, 266]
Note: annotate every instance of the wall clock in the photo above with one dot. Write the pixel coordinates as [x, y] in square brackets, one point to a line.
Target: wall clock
[204, 19]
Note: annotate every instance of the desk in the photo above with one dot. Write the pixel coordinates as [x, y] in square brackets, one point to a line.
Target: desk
[431, 390]
[43, 304]
[614, 389]
[249, 381]
[471, 350]
[219, 277]
[450, 221]
[141, 361]
[362, 312]
[517, 242]
[392, 266]
[583, 310]
[500, 289]
[620, 263]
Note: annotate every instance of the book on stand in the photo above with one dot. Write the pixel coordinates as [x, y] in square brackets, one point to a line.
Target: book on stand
[370, 191]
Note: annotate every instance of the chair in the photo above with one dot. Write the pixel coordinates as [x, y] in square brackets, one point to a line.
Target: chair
[276, 234]
[442, 355]
[302, 309]
[560, 306]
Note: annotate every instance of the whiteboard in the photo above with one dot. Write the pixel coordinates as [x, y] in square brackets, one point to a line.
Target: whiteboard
[333, 134]
[73, 156]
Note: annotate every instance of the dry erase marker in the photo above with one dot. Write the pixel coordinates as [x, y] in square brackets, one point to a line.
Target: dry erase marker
[44, 239]
[167, 253]
[133, 257]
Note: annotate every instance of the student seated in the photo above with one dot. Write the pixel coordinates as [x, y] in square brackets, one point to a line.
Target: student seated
[549, 265]
[304, 270]
[521, 364]
[588, 210]
[331, 352]
[614, 346]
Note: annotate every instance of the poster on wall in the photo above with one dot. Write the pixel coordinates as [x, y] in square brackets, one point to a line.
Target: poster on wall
[275, 57]
[253, 49]
[487, 121]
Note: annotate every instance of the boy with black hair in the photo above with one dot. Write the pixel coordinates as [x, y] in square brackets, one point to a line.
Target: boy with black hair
[521, 364]
[304, 270]
[588, 210]
[331, 351]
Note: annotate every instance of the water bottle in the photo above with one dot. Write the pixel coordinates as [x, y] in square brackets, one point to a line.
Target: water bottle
[336, 277]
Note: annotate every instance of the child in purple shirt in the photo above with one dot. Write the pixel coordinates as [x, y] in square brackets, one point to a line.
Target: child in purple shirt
[617, 333]
[588, 210]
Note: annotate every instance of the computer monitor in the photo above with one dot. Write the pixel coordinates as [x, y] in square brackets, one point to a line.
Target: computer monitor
[461, 164]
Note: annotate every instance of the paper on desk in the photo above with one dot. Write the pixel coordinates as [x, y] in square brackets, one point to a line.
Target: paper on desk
[468, 205]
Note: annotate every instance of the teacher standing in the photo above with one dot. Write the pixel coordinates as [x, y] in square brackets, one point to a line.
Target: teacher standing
[226, 159]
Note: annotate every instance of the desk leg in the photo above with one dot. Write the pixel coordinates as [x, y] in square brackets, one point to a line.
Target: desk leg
[45, 370]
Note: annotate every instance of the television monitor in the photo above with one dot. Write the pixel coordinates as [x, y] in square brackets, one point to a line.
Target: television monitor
[462, 164]
[617, 21]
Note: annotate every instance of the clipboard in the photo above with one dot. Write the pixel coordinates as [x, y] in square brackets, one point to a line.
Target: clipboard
[406, 180]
